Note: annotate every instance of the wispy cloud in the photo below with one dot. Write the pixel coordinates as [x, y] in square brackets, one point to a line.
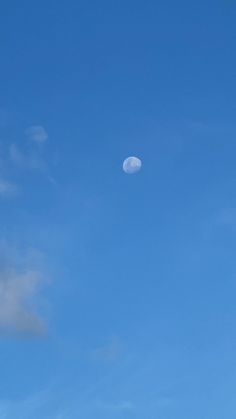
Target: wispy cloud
[109, 352]
[16, 290]
[28, 407]
[163, 401]
[116, 406]
[210, 127]
[30, 158]
[227, 217]
[28, 155]
[7, 188]
[27, 159]
[37, 133]
[3, 117]
[19, 285]
[17, 156]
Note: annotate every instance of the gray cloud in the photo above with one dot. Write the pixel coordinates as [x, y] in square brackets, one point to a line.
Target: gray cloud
[37, 133]
[19, 285]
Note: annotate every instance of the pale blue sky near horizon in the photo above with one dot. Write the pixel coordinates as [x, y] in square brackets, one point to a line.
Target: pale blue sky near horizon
[117, 292]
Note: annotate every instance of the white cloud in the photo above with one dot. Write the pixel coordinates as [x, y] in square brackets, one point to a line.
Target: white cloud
[37, 133]
[19, 284]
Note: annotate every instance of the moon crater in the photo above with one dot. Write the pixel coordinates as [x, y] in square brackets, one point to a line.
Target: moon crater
[132, 165]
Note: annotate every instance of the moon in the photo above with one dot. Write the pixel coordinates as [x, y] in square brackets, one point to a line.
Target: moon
[132, 165]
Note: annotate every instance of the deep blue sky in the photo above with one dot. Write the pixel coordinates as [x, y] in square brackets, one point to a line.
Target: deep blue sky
[117, 292]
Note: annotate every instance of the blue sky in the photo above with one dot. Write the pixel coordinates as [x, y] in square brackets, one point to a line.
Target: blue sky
[117, 292]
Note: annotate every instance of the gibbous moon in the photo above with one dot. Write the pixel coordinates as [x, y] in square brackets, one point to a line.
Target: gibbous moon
[132, 165]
